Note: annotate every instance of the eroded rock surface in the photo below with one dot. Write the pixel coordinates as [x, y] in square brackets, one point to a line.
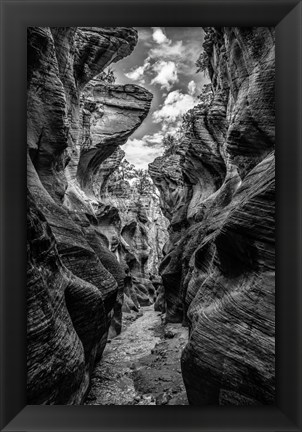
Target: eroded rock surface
[217, 189]
[139, 237]
[113, 112]
[96, 234]
[75, 281]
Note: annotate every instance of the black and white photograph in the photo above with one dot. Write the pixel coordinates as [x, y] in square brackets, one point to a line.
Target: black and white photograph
[151, 216]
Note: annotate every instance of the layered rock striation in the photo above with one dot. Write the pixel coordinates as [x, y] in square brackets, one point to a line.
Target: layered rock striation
[217, 189]
[75, 281]
[140, 237]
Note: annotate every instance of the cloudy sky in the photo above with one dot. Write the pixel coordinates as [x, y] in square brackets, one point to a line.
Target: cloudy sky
[163, 62]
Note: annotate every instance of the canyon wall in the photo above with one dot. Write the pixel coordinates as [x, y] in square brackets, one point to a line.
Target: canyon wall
[96, 231]
[76, 281]
[217, 188]
[142, 232]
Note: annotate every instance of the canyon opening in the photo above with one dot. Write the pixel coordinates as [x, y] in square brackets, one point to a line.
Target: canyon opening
[151, 216]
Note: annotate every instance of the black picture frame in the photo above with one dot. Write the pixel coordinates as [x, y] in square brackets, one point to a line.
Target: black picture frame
[286, 15]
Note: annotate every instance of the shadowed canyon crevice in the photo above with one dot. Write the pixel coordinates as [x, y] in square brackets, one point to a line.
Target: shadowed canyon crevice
[149, 288]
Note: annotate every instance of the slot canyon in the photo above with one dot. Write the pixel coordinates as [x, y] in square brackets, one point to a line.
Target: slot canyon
[150, 286]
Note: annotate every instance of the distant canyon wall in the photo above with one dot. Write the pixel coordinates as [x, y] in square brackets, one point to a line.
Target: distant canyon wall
[217, 189]
[139, 234]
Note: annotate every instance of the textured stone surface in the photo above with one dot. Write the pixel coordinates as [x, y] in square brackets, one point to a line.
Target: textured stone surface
[114, 112]
[140, 233]
[95, 230]
[75, 282]
[60, 62]
[61, 342]
[160, 304]
[230, 298]
[217, 188]
[141, 366]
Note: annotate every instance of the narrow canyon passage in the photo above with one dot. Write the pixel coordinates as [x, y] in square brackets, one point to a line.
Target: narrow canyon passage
[150, 201]
[141, 366]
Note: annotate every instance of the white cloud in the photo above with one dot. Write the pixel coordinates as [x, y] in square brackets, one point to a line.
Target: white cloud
[166, 59]
[166, 74]
[169, 66]
[138, 73]
[176, 104]
[159, 36]
[141, 152]
[155, 139]
[168, 51]
[183, 53]
[192, 88]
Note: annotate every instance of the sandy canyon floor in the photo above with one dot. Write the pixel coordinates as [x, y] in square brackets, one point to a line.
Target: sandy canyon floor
[142, 365]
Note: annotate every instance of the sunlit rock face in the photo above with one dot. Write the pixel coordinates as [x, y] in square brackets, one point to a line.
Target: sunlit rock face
[75, 282]
[140, 234]
[217, 189]
[114, 112]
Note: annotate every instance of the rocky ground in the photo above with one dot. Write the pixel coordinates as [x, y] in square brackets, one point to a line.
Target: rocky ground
[142, 365]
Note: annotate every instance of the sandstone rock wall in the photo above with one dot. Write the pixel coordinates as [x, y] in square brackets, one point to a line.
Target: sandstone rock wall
[217, 189]
[140, 237]
[75, 282]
